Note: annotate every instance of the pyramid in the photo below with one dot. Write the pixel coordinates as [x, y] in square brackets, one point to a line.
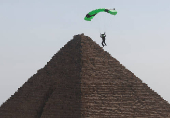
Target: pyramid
[84, 81]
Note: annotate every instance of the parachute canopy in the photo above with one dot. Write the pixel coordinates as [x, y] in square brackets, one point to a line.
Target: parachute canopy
[91, 14]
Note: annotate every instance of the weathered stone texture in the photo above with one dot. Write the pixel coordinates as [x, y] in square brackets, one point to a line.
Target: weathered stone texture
[109, 90]
[84, 81]
[54, 92]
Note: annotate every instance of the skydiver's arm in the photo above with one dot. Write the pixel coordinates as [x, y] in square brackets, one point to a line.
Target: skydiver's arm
[104, 34]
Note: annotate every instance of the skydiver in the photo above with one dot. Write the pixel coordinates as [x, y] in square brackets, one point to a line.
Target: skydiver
[103, 39]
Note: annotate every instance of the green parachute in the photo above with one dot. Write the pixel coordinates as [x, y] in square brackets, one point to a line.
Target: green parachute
[91, 14]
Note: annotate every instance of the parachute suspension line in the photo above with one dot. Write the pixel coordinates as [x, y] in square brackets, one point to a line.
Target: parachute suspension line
[112, 19]
[100, 18]
[105, 23]
[109, 22]
[102, 22]
[96, 24]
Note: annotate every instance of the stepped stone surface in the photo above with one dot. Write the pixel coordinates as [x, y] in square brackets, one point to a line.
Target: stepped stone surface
[84, 81]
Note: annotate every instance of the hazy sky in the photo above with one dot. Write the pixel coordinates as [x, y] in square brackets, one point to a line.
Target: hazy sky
[32, 31]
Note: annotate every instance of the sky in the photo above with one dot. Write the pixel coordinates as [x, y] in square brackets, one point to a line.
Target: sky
[32, 31]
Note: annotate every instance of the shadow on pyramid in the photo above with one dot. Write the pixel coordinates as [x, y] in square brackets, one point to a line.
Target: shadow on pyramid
[84, 81]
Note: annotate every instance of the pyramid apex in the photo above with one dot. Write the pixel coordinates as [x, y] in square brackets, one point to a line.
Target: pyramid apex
[81, 35]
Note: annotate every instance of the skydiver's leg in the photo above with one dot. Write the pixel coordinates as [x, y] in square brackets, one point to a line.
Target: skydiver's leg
[102, 44]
